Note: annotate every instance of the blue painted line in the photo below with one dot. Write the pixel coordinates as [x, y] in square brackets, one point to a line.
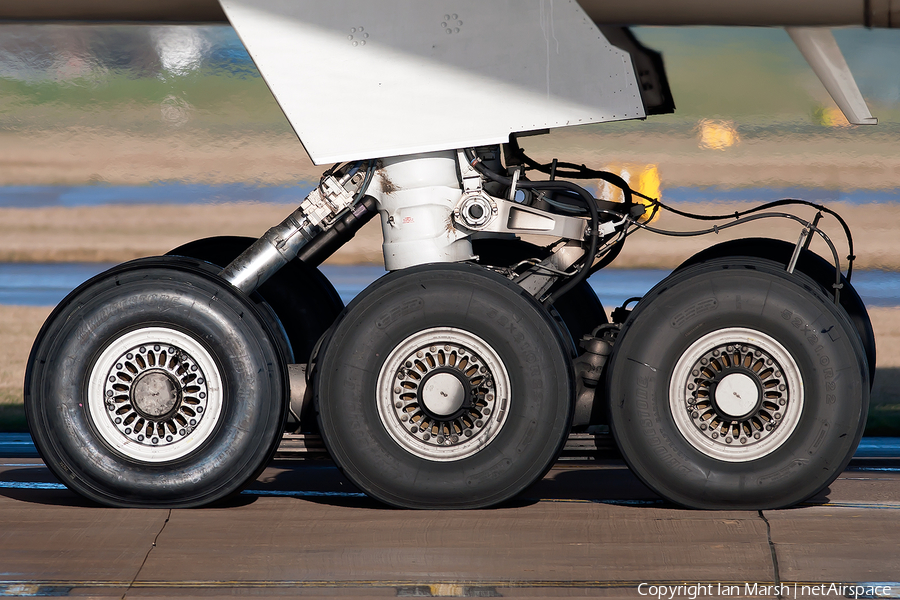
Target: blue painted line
[30, 485]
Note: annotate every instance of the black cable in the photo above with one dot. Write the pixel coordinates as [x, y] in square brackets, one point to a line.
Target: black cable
[583, 172]
[755, 217]
[784, 202]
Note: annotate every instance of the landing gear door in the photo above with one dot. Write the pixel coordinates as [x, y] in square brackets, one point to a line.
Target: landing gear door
[360, 79]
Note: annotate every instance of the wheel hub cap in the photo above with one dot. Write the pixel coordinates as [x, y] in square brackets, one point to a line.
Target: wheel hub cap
[154, 394]
[443, 394]
[736, 395]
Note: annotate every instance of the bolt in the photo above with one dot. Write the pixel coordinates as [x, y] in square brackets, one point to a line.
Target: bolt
[716, 353]
[744, 349]
[111, 406]
[420, 354]
[468, 433]
[404, 418]
[140, 438]
[703, 427]
[109, 392]
[408, 365]
[129, 356]
[181, 432]
[489, 397]
[202, 395]
[446, 348]
[193, 422]
[128, 430]
[118, 365]
[715, 435]
[155, 440]
[777, 373]
[479, 423]
[756, 436]
[200, 381]
[769, 428]
[143, 349]
[704, 361]
[426, 437]
[743, 440]
[781, 388]
[690, 386]
[199, 409]
[730, 348]
[777, 415]
[768, 362]
[414, 429]
[397, 390]
[440, 439]
[782, 401]
[156, 347]
[695, 372]
[398, 405]
[695, 414]
[454, 439]
[168, 438]
[486, 411]
[728, 440]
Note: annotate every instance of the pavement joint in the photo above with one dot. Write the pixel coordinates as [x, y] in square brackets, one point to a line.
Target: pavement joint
[147, 556]
[772, 551]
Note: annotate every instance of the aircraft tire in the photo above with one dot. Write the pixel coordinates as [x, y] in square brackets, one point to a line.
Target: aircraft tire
[156, 384]
[463, 351]
[734, 385]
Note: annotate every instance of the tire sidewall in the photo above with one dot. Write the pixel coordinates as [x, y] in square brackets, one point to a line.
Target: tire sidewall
[720, 295]
[473, 300]
[192, 302]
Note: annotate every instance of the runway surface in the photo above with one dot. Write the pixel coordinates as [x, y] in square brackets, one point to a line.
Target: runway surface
[589, 528]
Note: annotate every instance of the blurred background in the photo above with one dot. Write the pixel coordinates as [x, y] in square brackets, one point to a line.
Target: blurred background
[124, 141]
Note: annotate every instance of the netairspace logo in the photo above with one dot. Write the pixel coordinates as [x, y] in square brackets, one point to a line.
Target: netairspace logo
[794, 590]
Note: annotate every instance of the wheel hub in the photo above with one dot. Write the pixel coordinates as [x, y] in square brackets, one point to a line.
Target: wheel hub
[155, 394]
[443, 394]
[736, 394]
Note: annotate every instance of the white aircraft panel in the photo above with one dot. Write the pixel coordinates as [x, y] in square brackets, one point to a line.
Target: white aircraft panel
[365, 79]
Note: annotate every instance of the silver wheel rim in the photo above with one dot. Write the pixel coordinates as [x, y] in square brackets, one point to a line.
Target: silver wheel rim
[736, 394]
[443, 394]
[155, 394]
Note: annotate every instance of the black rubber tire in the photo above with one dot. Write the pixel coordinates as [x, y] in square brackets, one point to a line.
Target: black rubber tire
[475, 301]
[177, 295]
[711, 297]
[303, 299]
[580, 309]
[810, 264]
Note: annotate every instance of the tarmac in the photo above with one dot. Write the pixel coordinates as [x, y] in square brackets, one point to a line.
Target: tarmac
[588, 529]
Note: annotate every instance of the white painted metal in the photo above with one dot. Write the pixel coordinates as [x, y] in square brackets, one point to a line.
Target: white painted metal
[737, 395]
[360, 79]
[822, 53]
[416, 196]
